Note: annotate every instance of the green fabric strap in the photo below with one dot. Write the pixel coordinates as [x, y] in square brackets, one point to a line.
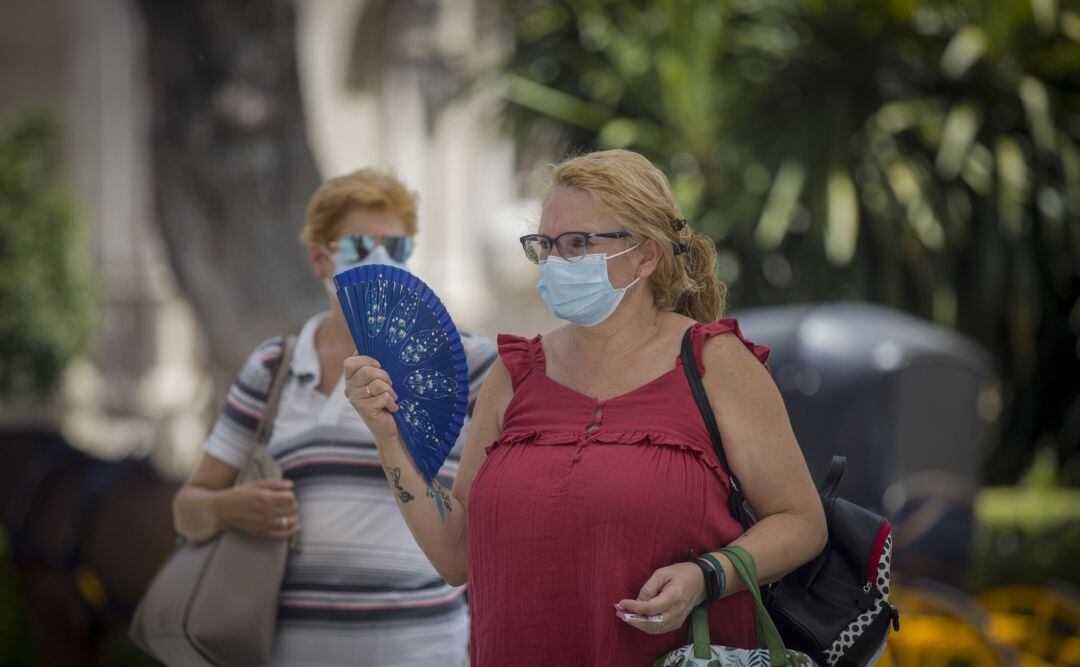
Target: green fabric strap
[768, 635]
[699, 631]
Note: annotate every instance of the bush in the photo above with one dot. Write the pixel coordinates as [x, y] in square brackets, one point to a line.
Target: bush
[920, 155]
[1026, 536]
[45, 292]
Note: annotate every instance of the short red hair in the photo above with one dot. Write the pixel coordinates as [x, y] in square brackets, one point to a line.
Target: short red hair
[367, 188]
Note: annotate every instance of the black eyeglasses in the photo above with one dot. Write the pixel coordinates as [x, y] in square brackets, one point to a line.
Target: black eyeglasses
[358, 246]
[572, 246]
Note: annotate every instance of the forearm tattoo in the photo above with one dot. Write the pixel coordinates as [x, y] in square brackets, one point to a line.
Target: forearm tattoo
[442, 499]
[394, 474]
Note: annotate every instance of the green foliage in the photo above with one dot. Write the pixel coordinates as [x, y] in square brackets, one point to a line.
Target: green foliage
[1030, 507]
[45, 295]
[920, 154]
[1007, 555]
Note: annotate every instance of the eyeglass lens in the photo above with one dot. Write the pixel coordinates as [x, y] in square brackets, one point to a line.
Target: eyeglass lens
[571, 246]
[361, 245]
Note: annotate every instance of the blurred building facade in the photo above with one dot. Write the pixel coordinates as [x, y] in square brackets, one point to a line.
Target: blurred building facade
[389, 83]
[384, 84]
[144, 383]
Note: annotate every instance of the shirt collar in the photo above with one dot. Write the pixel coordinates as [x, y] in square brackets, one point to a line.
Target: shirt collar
[305, 361]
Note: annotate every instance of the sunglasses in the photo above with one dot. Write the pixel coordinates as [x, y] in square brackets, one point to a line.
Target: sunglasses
[357, 247]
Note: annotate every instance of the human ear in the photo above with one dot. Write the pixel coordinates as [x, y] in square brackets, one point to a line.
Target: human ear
[321, 265]
[650, 257]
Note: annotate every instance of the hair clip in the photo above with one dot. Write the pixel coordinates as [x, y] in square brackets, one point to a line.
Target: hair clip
[681, 248]
[678, 224]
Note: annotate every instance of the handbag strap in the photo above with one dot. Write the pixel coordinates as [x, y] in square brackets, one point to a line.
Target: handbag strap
[277, 384]
[699, 631]
[767, 634]
[736, 500]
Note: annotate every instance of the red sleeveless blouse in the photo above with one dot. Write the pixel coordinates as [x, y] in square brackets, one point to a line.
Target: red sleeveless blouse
[565, 520]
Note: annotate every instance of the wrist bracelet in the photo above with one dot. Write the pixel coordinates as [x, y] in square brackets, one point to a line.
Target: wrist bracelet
[720, 584]
[710, 579]
[706, 573]
[709, 575]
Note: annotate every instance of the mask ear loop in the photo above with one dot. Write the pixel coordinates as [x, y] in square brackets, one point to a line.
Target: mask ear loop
[621, 252]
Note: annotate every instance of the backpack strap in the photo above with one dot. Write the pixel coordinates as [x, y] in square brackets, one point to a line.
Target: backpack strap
[737, 504]
[832, 478]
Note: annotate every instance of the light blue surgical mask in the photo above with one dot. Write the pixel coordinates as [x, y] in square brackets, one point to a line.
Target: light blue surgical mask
[580, 291]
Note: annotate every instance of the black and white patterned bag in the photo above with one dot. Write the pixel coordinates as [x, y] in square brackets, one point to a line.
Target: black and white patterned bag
[836, 607]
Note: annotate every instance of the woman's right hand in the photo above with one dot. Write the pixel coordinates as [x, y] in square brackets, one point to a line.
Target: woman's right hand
[371, 393]
[266, 508]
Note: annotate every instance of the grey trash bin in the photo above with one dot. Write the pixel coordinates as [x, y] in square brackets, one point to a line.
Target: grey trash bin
[899, 397]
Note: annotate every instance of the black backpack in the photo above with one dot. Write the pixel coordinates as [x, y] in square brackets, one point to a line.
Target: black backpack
[836, 607]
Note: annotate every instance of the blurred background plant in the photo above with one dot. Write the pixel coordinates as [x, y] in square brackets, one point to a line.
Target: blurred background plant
[46, 291]
[921, 155]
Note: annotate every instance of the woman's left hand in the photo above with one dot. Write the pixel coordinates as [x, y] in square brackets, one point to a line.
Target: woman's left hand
[671, 593]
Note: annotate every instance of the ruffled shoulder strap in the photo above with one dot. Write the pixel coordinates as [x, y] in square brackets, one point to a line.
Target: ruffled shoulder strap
[520, 356]
[701, 332]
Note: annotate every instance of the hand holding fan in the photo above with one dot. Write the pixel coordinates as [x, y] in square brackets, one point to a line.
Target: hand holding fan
[396, 319]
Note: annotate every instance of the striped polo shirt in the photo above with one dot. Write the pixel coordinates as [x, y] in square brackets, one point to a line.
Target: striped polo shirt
[359, 591]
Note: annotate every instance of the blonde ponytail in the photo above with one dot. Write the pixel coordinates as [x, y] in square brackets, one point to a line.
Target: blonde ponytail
[703, 295]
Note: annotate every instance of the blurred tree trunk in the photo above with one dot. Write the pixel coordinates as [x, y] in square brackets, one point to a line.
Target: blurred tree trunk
[232, 167]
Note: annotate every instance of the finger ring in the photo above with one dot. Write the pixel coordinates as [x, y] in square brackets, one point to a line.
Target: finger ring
[284, 522]
[368, 388]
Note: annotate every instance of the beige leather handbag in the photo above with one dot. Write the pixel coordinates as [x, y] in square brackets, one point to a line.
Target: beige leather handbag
[216, 603]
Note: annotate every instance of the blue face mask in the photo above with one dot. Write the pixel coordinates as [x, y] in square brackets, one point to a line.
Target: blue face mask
[580, 291]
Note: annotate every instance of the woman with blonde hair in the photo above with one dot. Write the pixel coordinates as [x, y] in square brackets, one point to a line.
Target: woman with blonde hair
[358, 591]
[589, 476]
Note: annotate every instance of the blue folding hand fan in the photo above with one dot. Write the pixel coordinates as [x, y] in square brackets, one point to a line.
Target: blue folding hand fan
[396, 319]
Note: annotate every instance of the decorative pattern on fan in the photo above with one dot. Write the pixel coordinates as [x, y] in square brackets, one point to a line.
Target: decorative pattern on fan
[396, 319]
